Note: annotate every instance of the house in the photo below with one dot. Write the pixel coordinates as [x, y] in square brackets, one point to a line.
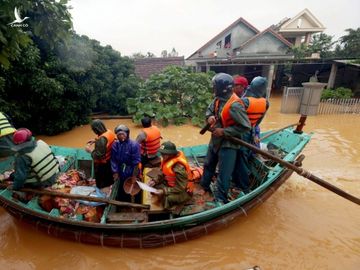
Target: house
[242, 49]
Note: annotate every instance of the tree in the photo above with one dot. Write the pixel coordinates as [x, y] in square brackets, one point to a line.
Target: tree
[349, 46]
[174, 95]
[323, 44]
[49, 23]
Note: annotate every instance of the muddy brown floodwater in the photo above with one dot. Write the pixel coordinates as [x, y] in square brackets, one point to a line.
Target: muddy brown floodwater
[302, 226]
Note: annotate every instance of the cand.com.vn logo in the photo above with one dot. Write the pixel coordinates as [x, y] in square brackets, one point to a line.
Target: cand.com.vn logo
[18, 22]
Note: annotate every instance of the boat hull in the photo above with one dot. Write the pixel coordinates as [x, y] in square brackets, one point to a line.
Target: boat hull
[118, 236]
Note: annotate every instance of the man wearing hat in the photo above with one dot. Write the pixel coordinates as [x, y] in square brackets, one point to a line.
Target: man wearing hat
[240, 85]
[35, 164]
[172, 184]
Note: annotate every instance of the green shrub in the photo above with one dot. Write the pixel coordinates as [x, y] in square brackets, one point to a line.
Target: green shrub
[340, 92]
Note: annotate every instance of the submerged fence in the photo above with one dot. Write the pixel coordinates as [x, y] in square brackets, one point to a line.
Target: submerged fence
[291, 101]
[339, 106]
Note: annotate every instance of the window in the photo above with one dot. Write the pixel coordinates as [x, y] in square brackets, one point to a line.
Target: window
[227, 41]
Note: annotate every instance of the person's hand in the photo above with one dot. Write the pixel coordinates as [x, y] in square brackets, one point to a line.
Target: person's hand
[160, 192]
[88, 148]
[211, 120]
[151, 183]
[218, 132]
[91, 142]
[116, 176]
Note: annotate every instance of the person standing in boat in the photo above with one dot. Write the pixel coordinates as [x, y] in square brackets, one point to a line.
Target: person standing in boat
[100, 150]
[240, 85]
[125, 161]
[227, 116]
[6, 136]
[173, 183]
[256, 107]
[35, 164]
[149, 140]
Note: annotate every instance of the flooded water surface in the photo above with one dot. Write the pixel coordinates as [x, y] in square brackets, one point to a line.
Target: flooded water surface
[301, 226]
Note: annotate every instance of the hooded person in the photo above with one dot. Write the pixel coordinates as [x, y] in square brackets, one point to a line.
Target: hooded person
[125, 161]
[227, 117]
[100, 150]
[35, 164]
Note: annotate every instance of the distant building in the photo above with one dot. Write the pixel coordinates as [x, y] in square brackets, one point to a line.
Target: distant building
[242, 49]
[144, 67]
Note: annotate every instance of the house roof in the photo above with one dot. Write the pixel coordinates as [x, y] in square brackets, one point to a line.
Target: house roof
[240, 20]
[268, 30]
[145, 67]
[295, 24]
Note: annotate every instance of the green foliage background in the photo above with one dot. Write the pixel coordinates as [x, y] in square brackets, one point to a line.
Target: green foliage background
[340, 92]
[52, 79]
[173, 96]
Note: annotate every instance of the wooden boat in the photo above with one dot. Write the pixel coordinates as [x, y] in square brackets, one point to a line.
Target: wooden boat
[145, 228]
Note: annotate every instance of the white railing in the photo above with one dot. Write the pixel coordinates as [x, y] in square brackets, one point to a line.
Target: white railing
[339, 106]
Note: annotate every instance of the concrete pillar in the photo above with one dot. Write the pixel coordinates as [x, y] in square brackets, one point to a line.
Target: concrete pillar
[311, 97]
[332, 76]
[270, 76]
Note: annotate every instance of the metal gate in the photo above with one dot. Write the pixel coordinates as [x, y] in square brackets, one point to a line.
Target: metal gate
[291, 99]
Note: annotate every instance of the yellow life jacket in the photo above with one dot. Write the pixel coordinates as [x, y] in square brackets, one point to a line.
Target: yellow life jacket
[5, 126]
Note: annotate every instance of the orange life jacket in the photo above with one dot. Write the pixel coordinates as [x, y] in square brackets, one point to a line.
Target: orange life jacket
[110, 136]
[194, 173]
[226, 118]
[255, 110]
[152, 143]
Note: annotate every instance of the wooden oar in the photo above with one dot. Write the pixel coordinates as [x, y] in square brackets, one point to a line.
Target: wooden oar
[298, 170]
[80, 197]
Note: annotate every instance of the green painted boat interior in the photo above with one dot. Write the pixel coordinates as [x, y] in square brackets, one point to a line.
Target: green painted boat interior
[286, 144]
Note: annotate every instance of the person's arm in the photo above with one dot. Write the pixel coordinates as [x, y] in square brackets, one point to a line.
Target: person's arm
[141, 137]
[99, 151]
[22, 170]
[135, 156]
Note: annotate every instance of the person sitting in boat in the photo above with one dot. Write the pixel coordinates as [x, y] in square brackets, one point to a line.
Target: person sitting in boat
[125, 161]
[173, 183]
[227, 116]
[256, 107]
[35, 164]
[100, 149]
[6, 133]
[149, 140]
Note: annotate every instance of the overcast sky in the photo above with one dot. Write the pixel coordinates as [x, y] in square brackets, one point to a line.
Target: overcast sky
[131, 26]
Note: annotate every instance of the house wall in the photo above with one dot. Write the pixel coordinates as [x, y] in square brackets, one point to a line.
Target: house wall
[239, 34]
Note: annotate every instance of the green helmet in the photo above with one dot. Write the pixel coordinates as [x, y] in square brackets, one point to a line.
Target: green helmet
[258, 87]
